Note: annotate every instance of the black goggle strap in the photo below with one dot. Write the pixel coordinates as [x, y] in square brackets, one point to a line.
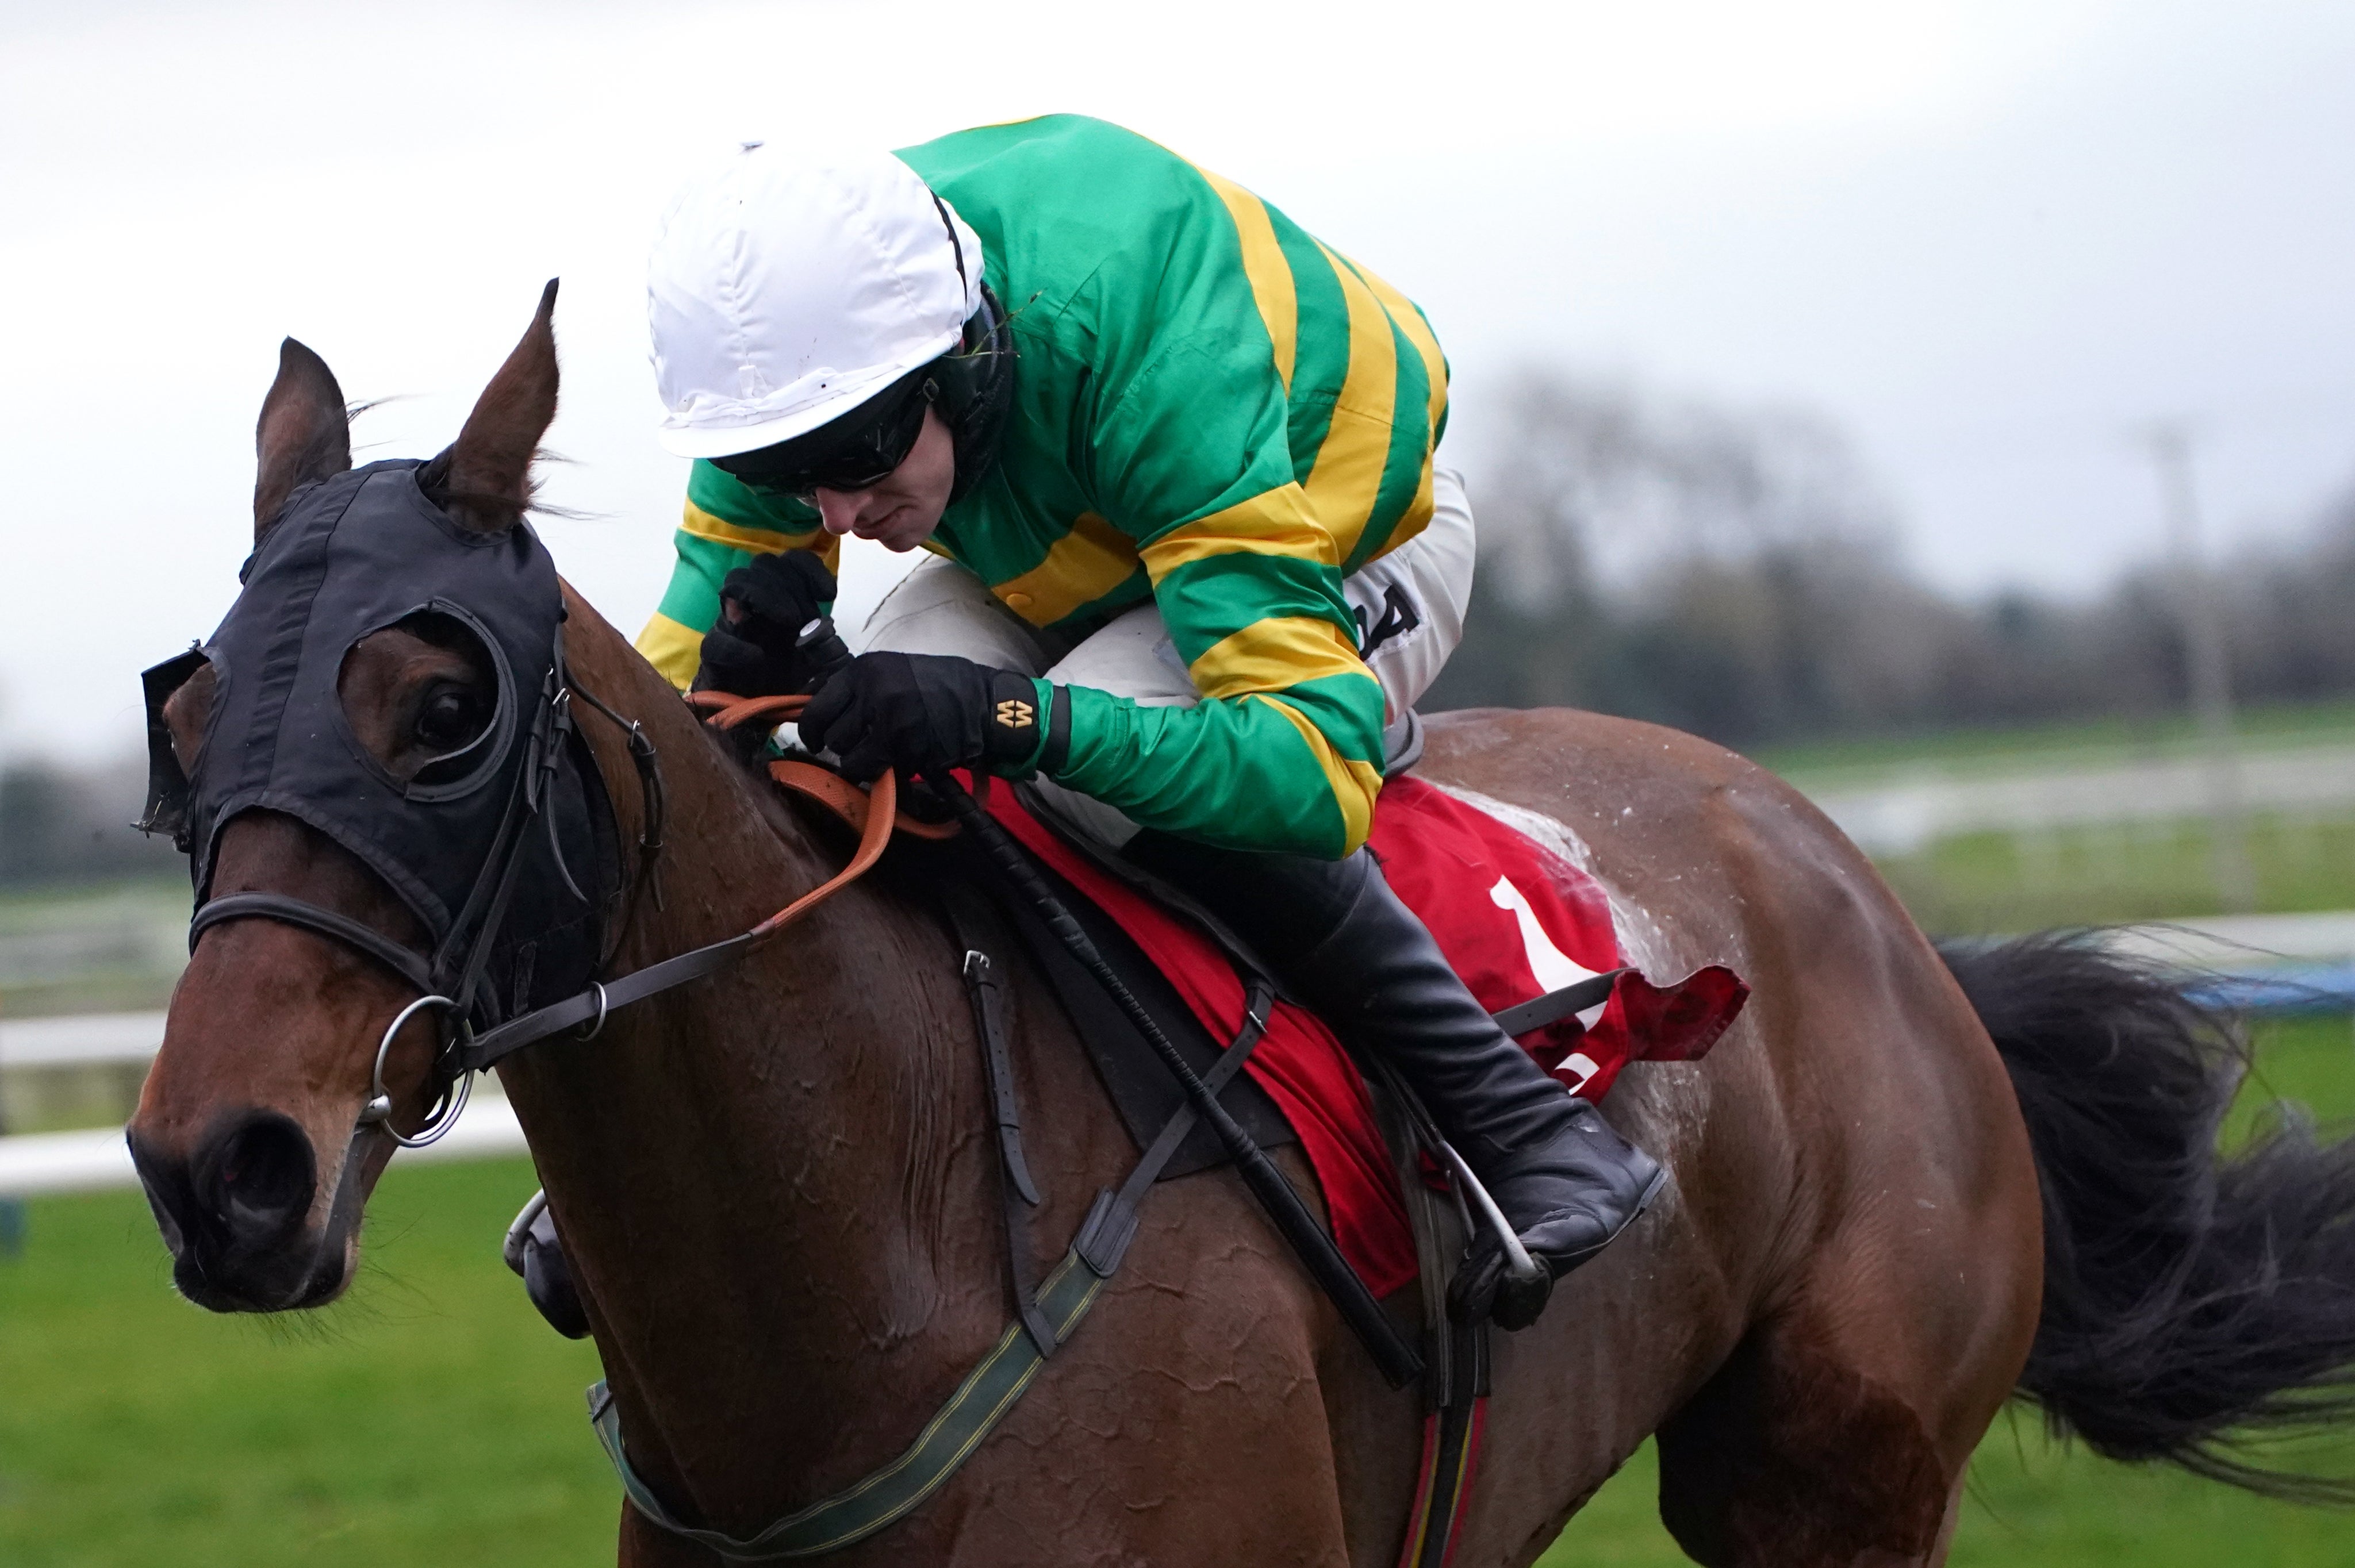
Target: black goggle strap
[870, 443]
[885, 445]
[956, 381]
[956, 245]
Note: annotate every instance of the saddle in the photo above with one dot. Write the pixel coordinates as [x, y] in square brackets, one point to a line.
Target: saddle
[1533, 936]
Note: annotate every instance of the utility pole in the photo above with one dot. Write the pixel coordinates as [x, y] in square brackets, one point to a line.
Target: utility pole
[2210, 667]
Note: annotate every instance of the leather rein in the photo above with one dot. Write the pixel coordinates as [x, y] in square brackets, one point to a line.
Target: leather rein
[588, 1009]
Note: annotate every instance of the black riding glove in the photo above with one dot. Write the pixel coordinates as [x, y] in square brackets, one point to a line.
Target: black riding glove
[774, 636]
[922, 711]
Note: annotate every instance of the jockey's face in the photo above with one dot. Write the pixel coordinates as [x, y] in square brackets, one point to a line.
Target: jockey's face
[901, 510]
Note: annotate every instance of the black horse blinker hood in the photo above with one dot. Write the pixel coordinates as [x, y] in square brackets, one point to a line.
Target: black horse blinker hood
[503, 847]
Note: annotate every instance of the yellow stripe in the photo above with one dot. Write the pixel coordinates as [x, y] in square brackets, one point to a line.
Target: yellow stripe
[673, 649]
[1273, 522]
[1274, 655]
[1354, 784]
[702, 524]
[1270, 273]
[1415, 518]
[1417, 515]
[1347, 475]
[1418, 332]
[1084, 565]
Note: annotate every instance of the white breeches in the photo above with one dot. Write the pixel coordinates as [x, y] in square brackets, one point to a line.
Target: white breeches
[1409, 605]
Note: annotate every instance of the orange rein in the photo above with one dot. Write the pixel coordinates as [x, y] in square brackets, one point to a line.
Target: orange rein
[875, 813]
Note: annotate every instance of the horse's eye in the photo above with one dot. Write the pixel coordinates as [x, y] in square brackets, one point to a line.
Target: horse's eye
[452, 716]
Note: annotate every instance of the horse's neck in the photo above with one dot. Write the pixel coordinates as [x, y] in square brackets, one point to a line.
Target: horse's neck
[766, 1180]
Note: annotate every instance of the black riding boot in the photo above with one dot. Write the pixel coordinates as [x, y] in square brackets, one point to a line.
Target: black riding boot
[1345, 943]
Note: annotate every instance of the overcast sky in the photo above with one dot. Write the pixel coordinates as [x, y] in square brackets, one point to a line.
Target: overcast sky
[1989, 239]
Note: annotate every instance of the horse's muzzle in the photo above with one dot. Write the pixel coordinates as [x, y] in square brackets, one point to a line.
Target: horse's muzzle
[236, 1213]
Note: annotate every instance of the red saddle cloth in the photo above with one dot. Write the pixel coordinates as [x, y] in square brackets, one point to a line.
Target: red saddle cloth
[1515, 919]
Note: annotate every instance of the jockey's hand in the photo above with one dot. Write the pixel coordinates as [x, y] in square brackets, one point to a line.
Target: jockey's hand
[920, 712]
[773, 635]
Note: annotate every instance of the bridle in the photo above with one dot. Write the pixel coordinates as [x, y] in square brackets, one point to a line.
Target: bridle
[448, 979]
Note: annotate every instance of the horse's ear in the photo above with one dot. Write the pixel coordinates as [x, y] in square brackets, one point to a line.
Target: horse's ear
[487, 485]
[304, 434]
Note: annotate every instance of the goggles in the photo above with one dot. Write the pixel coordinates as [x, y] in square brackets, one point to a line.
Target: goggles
[859, 450]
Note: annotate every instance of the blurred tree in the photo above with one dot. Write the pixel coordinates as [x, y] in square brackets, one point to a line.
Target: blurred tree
[61, 824]
[1733, 573]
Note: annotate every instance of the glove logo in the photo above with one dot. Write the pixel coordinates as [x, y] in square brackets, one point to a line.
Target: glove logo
[1015, 713]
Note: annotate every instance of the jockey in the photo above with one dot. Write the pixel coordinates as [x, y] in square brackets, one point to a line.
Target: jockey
[1191, 562]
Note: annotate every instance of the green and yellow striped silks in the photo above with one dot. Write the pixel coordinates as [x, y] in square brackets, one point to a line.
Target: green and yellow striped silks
[1211, 409]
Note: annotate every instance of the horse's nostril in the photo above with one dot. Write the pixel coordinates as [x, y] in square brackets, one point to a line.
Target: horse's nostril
[264, 1178]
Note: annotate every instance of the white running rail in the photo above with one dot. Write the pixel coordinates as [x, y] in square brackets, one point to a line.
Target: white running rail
[80, 1039]
[46, 1163]
[41, 1163]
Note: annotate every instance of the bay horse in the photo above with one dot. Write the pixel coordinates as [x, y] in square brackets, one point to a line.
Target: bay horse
[1907, 1187]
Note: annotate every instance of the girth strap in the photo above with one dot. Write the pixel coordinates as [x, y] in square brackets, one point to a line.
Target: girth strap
[988, 1391]
[1455, 1363]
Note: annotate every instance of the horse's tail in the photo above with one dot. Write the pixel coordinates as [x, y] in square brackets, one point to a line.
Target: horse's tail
[2192, 1300]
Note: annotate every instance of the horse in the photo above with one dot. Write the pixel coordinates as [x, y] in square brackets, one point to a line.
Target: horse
[1908, 1187]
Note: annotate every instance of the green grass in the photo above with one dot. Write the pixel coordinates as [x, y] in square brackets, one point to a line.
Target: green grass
[61, 1099]
[430, 1419]
[2306, 1062]
[2033, 1502]
[2030, 1504]
[36, 907]
[2082, 742]
[1982, 883]
[159, 906]
[433, 1419]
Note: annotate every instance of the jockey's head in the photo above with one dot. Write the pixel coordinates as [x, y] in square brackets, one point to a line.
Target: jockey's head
[820, 329]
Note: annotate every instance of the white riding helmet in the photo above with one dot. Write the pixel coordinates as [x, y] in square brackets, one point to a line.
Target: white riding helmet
[782, 293]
